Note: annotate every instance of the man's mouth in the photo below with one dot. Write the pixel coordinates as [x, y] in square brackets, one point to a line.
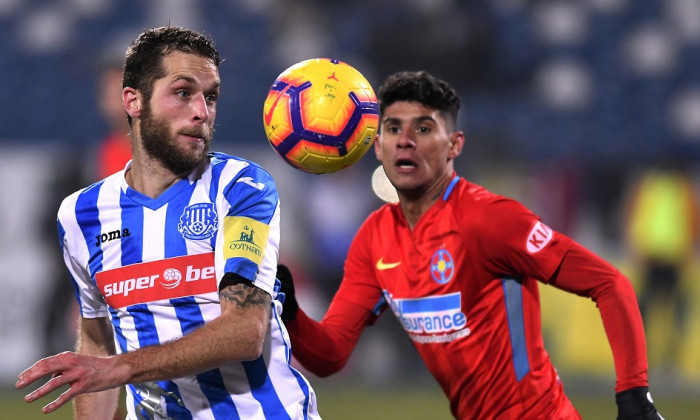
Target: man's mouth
[405, 164]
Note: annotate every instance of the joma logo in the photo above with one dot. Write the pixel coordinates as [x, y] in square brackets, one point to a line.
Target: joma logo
[110, 236]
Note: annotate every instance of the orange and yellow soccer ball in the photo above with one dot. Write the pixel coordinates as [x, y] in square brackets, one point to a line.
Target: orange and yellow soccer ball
[321, 115]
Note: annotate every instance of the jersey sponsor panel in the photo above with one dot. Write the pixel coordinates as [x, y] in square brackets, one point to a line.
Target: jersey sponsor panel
[432, 315]
[162, 279]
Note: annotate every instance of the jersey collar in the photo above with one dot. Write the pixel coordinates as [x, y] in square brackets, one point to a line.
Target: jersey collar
[450, 187]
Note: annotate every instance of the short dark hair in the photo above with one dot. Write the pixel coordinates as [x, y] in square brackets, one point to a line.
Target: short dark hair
[422, 87]
[143, 64]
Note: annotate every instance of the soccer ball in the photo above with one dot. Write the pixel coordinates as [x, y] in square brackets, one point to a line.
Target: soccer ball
[321, 115]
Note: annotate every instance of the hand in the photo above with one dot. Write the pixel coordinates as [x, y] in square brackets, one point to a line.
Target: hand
[81, 372]
[636, 404]
[289, 301]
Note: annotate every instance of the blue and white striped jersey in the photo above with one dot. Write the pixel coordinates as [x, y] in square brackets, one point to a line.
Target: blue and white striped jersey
[153, 266]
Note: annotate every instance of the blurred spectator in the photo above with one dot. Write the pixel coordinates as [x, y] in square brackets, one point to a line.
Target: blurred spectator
[112, 154]
[60, 314]
[662, 233]
[115, 149]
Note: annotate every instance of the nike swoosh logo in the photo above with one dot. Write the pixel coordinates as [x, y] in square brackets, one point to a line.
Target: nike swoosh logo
[381, 265]
[268, 114]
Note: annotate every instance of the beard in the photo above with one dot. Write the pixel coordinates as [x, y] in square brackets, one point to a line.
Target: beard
[160, 145]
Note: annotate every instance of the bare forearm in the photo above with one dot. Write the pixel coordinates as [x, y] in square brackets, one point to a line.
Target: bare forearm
[210, 346]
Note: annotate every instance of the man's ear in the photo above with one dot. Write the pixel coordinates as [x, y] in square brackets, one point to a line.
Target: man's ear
[377, 147]
[132, 99]
[456, 144]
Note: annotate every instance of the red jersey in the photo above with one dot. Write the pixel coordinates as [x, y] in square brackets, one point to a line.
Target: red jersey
[463, 284]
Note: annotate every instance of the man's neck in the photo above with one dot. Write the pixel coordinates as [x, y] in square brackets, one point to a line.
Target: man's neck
[413, 207]
[149, 177]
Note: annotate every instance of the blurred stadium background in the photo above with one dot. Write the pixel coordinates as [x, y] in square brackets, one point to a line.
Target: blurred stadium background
[566, 104]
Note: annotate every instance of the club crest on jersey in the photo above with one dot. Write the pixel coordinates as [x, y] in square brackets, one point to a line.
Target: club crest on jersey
[442, 266]
[198, 221]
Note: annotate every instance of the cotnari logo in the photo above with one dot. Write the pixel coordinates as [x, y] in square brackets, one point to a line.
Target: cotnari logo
[158, 280]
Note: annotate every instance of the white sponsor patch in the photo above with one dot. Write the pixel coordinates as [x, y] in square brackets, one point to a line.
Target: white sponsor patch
[538, 238]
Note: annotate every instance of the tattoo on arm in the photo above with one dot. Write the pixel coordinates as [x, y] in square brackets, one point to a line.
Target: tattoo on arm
[244, 296]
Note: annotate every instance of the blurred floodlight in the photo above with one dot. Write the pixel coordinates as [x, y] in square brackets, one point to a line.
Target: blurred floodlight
[685, 113]
[650, 50]
[46, 30]
[685, 18]
[564, 84]
[8, 7]
[562, 23]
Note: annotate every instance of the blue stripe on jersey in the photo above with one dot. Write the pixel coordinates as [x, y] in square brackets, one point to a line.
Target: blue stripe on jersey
[450, 187]
[221, 403]
[138, 408]
[132, 219]
[278, 322]
[262, 389]
[217, 166]
[174, 241]
[513, 292]
[211, 382]
[304, 388]
[173, 401]
[87, 215]
[250, 200]
[288, 352]
[119, 334]
[145, 324]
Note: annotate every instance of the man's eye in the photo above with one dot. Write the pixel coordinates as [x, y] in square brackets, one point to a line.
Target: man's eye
[393, 129]
[212, 97]
[183, 93]
[423, 129]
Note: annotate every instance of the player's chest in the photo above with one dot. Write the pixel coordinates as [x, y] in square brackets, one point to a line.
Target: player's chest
[134, 233]
[423, 261]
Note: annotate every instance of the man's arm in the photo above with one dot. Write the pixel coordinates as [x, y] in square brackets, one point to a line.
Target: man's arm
[95, 338]
[236, 335]
[586, 274]
[321, 347]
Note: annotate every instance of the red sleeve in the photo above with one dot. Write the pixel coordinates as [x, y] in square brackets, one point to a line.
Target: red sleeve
[324, 347]
[586, 274]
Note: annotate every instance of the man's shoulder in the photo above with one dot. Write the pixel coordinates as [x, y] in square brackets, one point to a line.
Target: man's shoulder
[219, 161]
[467, 192]
[87, 196]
